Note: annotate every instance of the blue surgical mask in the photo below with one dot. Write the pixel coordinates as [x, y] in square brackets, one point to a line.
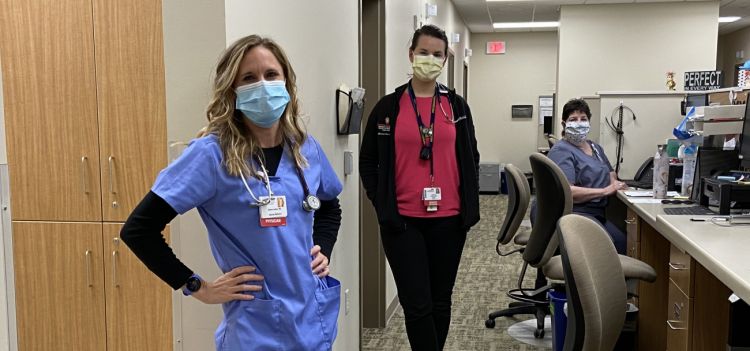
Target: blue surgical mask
[576, 132]
[263, 102]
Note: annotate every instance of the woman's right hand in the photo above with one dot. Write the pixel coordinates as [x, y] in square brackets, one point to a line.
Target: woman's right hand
[230, 286]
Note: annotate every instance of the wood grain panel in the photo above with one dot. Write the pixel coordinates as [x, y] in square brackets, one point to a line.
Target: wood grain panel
[710, 312]
[139, 305]
[47, 54]
[132, 101]
[59, 288]
[652, 302]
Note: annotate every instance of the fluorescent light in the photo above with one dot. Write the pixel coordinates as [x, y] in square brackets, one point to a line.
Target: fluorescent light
[508, 0]
[729, 19]
[508, 25]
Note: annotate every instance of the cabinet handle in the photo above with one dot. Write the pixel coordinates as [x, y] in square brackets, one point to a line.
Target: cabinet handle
[83, 175]
[632, 252]
[111, 161]
[115, 253]
[669, 323]
[630, 221]
[114, 269]
[677, 266]
[88, 269]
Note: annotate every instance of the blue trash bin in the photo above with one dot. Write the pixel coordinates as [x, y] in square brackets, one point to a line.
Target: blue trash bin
[557, 301]
[503, 183]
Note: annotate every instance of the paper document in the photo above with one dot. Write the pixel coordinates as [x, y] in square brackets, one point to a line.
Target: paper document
[648, 193]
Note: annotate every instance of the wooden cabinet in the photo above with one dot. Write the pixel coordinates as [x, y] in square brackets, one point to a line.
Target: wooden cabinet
[79, 288]
[679, 321]
[131, 100]
[85, 106]
[139, 305]
[49, 87]
[59, 286]
[653, 299]
[85, 120]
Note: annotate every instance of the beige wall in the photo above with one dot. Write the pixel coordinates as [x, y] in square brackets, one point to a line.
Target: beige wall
[519, 77]
[399, 24]
[632, 46]
[190, 53]
[321, 40]
[726, 57]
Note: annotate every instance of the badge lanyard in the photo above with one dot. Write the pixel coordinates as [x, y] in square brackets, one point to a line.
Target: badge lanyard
[426, 134]
[430, 195]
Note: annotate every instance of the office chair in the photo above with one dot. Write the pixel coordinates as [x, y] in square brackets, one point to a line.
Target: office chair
[551, 140]
[553, 201]
[519, 196]
[596, 299]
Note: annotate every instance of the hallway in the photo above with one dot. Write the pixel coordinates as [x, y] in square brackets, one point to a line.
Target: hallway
[483, 279]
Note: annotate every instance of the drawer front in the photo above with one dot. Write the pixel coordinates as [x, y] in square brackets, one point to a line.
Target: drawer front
[492, 168]
[678, 320]
[681, 270]
[633, 235]
[489, 182]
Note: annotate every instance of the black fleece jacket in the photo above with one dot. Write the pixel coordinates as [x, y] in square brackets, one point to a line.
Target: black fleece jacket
[377, 158]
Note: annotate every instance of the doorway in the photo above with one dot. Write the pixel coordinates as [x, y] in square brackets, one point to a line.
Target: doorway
[372, 77]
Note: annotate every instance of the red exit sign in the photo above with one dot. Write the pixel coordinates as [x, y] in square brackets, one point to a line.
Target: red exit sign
[495, 47]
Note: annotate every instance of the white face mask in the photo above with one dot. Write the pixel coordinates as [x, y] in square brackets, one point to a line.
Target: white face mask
[576, 132]
[427, 67]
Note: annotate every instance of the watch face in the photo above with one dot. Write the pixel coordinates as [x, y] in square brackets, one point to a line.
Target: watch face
[193, 284]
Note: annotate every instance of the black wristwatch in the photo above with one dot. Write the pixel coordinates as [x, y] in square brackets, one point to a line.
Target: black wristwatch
[192, 285]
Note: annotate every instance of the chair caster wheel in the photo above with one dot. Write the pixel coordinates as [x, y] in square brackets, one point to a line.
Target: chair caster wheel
[489, 323]
[539, 333]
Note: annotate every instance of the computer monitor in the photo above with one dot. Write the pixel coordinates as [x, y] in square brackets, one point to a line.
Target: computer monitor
[745, 140]
[694, 100]
[712, 162]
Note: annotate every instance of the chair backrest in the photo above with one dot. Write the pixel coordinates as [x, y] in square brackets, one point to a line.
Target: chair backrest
[551, 140]
[518, 202]
[553, 200]
[595, 285]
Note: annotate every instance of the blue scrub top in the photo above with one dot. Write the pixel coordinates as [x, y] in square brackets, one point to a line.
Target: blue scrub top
[584, 171]
[295, 310]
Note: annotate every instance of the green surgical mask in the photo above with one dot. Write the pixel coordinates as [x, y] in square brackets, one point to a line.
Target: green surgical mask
[427, 67]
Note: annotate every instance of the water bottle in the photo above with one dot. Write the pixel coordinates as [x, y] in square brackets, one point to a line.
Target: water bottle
[688, 170]
[661, 172]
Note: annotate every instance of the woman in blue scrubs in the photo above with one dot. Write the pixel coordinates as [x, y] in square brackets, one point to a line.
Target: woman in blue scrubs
[587, 168]
[268, 198]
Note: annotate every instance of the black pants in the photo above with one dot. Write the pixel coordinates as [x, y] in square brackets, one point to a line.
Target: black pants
[424, 260]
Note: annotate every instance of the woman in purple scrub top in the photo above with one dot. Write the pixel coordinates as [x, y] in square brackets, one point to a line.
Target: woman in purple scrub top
[268, 198]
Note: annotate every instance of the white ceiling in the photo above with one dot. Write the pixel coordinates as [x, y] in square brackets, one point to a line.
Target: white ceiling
[480, 14]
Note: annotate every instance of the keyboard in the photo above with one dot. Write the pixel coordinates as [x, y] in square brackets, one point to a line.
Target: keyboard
[691, 210]
[639, 184]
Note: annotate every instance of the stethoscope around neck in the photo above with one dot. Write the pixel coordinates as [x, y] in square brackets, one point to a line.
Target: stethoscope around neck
[309, 203]
[439, 90]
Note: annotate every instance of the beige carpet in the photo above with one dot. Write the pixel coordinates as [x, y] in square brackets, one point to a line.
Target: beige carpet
[483, 279]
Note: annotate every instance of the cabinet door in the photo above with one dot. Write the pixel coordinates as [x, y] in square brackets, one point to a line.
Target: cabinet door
[139, 305]
[59, 286]
[47, 54]
[132, 102]
[652, 301]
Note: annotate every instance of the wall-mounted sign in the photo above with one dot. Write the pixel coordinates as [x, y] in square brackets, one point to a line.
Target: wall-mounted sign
[702, 80]
[495, 47]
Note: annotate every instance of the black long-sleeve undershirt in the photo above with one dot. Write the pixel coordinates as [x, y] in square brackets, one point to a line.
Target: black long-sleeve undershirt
[142, 231]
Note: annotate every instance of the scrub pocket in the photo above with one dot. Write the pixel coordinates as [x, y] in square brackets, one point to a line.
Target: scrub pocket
[328, 296]
[253, 326]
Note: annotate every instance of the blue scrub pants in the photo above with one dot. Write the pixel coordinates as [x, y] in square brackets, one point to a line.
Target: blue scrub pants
[424, 259]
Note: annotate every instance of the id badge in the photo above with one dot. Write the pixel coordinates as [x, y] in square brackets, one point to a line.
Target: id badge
[431, 197]
[274, 213]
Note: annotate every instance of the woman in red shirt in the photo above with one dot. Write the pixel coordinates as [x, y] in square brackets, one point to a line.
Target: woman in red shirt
[419, 166]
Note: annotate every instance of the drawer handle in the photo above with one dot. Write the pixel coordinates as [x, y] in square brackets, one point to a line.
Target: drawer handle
[677, 266]
[88, 268]
[630, 221]
[669, 323]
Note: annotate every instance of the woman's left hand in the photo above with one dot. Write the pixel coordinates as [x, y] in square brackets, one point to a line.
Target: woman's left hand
[320, 262]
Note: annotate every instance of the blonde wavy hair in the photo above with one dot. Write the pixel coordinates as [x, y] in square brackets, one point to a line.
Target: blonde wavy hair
[237, 143]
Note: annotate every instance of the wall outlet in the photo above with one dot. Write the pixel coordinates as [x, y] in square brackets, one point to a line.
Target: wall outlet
[347, 305]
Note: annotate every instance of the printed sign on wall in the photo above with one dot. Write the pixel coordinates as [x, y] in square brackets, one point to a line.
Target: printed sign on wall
[702, 80]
